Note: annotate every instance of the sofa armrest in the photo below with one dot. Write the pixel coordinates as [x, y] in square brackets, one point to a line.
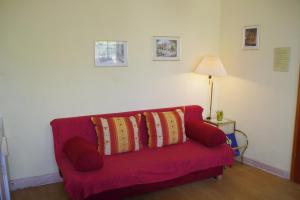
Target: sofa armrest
[82, 154]
[204, 133]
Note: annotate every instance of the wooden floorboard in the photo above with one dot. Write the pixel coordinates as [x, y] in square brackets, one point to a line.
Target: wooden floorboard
[239, 182]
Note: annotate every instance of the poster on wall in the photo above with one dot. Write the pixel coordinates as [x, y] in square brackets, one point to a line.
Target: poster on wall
[282, 56]
[166, 48]
[251, 37]
[111, 53]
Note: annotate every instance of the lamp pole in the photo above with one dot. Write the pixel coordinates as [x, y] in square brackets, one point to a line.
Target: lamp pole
[211, 96]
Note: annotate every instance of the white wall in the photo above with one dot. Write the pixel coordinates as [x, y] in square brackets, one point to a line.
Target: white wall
[47, 68]
[262, 101]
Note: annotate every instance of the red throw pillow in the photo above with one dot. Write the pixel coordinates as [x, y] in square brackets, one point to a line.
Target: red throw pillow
[204, 133]
[83, 154]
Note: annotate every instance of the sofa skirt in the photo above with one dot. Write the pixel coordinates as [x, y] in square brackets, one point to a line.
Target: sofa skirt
[118, 194]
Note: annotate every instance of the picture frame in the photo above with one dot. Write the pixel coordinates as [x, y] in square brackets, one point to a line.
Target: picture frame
[251, 37]
[166, 48]
[111, 53]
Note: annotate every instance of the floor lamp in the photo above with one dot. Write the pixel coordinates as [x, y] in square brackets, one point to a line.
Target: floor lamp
[211, 66]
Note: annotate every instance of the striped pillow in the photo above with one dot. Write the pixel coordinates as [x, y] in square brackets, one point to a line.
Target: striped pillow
[118, 134]
[165, 128]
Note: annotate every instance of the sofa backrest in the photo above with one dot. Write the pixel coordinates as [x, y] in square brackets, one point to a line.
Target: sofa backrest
[65, 128]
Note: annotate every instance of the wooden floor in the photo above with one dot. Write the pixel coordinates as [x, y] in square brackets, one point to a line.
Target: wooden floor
[241, 182]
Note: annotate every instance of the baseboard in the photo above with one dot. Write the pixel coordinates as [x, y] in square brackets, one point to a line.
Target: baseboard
[34, 181]
[270, 169]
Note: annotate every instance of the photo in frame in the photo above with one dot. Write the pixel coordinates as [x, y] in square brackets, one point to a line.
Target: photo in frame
[166, 48]
[111, 53]
[251, 37]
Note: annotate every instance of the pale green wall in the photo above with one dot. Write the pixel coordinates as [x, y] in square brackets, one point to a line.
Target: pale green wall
[262, 101]
[47, 67]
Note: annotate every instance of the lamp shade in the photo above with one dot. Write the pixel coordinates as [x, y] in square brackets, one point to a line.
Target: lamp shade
[211, 65]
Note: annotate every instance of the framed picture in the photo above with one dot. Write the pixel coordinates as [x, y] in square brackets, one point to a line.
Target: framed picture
[251, 37]
[111, 53]
[166, 48]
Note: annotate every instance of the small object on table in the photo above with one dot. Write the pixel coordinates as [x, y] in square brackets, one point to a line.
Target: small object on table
[228, 126]
[219, 115]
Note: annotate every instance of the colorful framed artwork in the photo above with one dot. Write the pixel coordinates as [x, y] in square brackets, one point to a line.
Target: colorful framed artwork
[166, 48]
[111, 53]
[251, 37]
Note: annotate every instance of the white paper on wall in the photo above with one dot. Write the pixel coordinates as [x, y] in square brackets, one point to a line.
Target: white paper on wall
[282, 59]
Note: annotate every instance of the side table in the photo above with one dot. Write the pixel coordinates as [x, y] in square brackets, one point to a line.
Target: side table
[236, 139]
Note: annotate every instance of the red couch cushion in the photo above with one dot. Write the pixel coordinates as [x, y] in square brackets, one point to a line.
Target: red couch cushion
[83, 155]
[204, 133]
[118, 134]
[165, 128]
[144, 166]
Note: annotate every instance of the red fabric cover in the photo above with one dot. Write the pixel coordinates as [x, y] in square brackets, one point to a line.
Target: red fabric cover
[143, 167]
[205, 133]
[120, 193]
[65, 128]
[83, 155]
[128, 169]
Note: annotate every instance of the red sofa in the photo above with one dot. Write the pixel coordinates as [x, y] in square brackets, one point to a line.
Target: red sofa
[133, 173]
